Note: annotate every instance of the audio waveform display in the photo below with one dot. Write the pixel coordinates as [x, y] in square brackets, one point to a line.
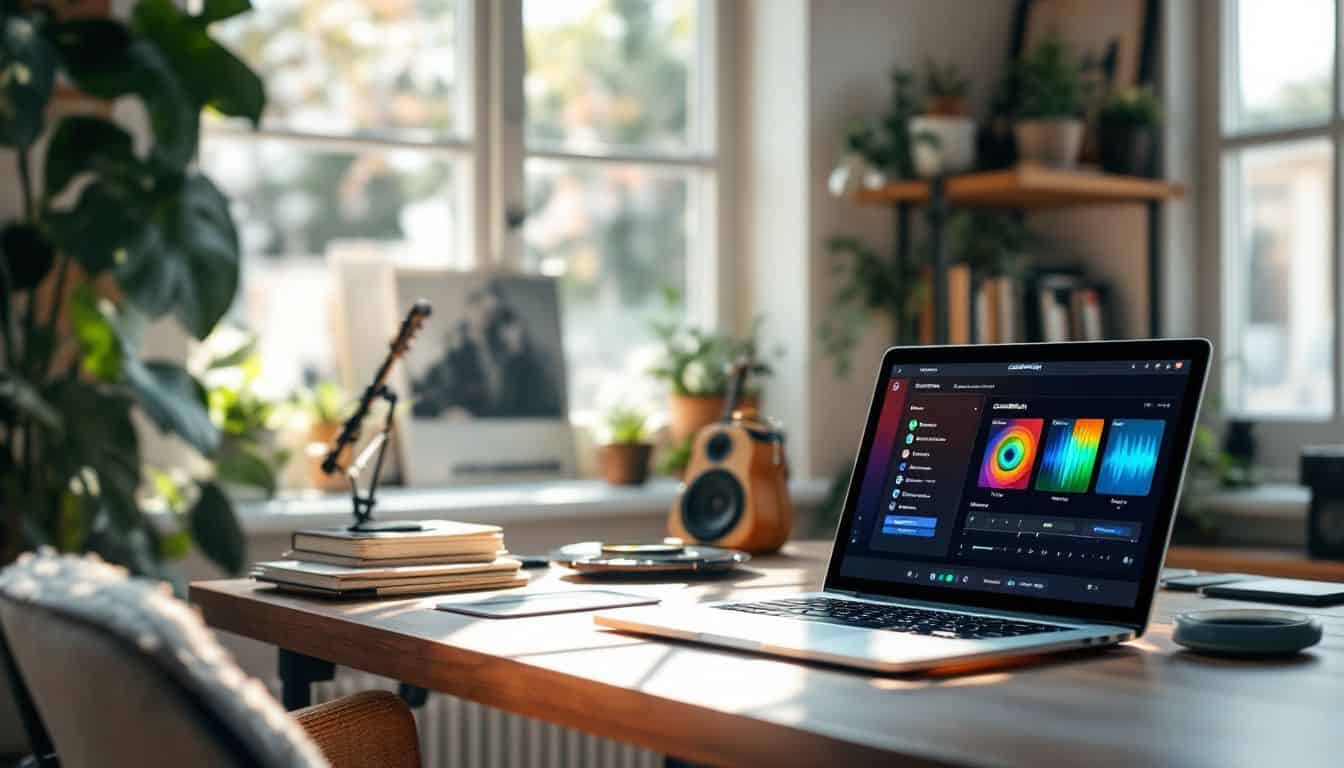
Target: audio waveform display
[1070, 455]
[1010, 453]
[1131, 457]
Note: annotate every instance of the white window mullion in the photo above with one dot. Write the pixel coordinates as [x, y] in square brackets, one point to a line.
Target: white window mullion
[507, 121]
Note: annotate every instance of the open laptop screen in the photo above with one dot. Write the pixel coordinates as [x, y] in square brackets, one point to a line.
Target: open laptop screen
[1030, 477]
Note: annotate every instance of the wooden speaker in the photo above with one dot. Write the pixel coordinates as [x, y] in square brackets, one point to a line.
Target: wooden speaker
[736, 491]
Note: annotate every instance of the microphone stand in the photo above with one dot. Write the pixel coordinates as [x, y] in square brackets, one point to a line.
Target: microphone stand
[377, 448]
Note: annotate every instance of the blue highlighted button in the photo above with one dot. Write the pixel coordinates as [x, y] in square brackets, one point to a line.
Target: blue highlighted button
[923, 533]
[899, 521]
[1126, 531]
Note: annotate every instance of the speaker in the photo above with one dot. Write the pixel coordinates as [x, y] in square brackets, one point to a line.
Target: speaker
[736, 491]
[1322, 470]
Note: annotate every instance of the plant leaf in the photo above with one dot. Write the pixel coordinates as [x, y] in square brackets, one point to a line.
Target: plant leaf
[242, 465]
[27, 77]
[188, 263]
[95, 54]
[99, 342]
[22, 397]
[105, 441]
[173, 400]
[27, 254]
[102, 229]
[218, 10]
[103, 60]
[211, 74]
[89, 145]
[214, 526]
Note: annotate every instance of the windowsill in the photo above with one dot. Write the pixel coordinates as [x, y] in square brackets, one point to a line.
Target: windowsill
[1268, 515]
[573, 499]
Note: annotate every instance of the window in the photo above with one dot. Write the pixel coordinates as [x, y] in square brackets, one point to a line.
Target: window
[619, 166]
[365, 147]
[1278, 146]
[371, 144]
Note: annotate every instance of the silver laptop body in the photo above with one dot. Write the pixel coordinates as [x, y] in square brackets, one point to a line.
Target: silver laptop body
[1101, 608]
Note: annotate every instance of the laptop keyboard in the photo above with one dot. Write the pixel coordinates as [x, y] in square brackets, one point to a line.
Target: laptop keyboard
[894, 618]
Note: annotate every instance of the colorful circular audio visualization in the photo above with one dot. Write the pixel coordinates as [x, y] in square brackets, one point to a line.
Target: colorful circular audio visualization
[1010, 453]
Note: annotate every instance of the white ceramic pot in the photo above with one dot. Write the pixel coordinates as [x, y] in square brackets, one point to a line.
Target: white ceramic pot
[942, 144]
[1054, 143]
[848, 175]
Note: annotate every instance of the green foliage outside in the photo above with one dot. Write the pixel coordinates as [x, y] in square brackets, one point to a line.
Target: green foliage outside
[158, 238]
[618, 75]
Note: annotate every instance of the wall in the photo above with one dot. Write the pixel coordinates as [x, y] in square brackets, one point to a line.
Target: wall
[813, 67]
[810, 69]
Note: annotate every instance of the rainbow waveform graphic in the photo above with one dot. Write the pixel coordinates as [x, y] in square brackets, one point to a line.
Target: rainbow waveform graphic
[1070, 455]
[1010, 453]
[1131, 457]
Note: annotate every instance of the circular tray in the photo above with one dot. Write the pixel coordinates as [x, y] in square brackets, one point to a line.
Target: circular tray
[588, 557]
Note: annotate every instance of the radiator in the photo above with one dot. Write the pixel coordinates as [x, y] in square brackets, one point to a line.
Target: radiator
[455, 733]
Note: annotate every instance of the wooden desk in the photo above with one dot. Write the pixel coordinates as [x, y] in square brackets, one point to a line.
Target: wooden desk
[1144, 703]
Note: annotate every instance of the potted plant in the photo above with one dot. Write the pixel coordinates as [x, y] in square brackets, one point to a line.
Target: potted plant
[627, 448]
[1049, 88]
[943, 138]
[848, 175]
[1127, 131]
[119, 231]
[249, 458]
[695, 366]
[324, 409]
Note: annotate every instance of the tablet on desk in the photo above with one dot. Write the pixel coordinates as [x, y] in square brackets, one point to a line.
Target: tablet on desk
[545, 603]
[1288, 591]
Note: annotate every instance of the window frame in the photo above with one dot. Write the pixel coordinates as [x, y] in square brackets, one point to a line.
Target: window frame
[702, 160]
[490, 157]
[1280, 437]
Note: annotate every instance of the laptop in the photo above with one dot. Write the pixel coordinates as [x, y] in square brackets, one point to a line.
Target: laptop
[1006, 500]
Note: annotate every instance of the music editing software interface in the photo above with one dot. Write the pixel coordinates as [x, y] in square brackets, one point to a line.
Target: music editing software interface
[1041, 479]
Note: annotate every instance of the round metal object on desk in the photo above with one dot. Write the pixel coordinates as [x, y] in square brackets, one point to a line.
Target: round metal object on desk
[591, 557]
[1246, 632]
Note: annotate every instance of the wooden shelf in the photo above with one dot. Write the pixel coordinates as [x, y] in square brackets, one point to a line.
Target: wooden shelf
[1029, 186]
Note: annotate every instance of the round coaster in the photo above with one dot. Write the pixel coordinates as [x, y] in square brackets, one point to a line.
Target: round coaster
[591, 557]
[1247, 632]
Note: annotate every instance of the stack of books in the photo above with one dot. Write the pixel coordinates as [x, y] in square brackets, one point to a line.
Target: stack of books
[444, 557]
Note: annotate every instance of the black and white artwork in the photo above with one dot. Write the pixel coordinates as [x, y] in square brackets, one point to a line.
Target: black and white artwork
[485, 379]
[497, 354]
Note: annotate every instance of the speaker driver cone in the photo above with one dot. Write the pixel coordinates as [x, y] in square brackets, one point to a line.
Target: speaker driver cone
[712, 505]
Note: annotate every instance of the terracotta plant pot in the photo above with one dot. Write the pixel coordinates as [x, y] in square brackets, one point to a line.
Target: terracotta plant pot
[626, 463]
[1054, 143]
[689, 414]
[319, 438]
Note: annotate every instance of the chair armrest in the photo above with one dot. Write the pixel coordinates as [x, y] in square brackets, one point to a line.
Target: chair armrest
[372, 728]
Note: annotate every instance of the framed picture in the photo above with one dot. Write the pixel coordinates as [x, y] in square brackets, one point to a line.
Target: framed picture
[484, 382]
[1115, 39]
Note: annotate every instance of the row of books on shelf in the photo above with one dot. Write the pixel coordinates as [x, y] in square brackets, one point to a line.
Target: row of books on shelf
[1054, 305]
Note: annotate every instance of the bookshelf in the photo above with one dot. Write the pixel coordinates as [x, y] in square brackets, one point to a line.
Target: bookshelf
[1021, 188]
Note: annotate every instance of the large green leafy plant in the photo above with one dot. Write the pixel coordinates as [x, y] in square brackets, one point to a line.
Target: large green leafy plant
[117, 231]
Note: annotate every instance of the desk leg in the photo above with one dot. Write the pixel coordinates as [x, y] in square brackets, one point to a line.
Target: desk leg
[297, 675]
[414, 696]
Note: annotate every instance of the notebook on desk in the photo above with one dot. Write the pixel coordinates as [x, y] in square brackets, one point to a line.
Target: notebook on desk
[439, 538]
